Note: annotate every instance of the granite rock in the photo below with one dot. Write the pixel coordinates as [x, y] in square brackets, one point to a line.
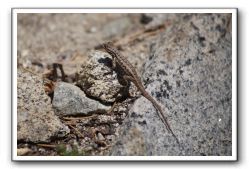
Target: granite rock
[36, 121]
[97, 79]
[71, 100]
[189, 72]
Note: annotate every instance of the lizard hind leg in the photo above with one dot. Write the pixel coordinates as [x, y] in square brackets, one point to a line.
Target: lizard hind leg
[124, 90]
[127, 83]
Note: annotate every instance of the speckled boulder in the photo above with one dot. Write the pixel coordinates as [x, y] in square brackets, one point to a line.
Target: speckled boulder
[36, 121]
[190, 74]
[97, 79]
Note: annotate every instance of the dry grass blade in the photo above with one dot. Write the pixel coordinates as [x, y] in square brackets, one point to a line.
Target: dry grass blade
[80, 118]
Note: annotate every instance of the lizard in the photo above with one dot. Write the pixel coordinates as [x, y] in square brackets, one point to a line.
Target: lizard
[129, 74]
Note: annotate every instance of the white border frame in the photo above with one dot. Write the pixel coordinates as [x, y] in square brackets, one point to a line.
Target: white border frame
[15, 11]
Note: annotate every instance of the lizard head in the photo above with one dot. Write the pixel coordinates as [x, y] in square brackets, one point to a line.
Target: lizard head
[108, 46]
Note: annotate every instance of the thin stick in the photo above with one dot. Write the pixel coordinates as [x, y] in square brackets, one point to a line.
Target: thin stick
[77, 131]
[47, 145]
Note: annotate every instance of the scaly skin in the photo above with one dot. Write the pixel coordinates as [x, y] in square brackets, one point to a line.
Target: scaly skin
[130, 75]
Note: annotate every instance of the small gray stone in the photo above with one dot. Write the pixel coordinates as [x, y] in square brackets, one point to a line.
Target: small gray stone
[156, 19]
[36, 121]
[100, 137]
[70, 100]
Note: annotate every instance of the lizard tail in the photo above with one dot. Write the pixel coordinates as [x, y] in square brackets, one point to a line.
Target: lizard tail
[160, 114]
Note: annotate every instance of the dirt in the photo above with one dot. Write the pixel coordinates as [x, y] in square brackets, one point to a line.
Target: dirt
[66, 39]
